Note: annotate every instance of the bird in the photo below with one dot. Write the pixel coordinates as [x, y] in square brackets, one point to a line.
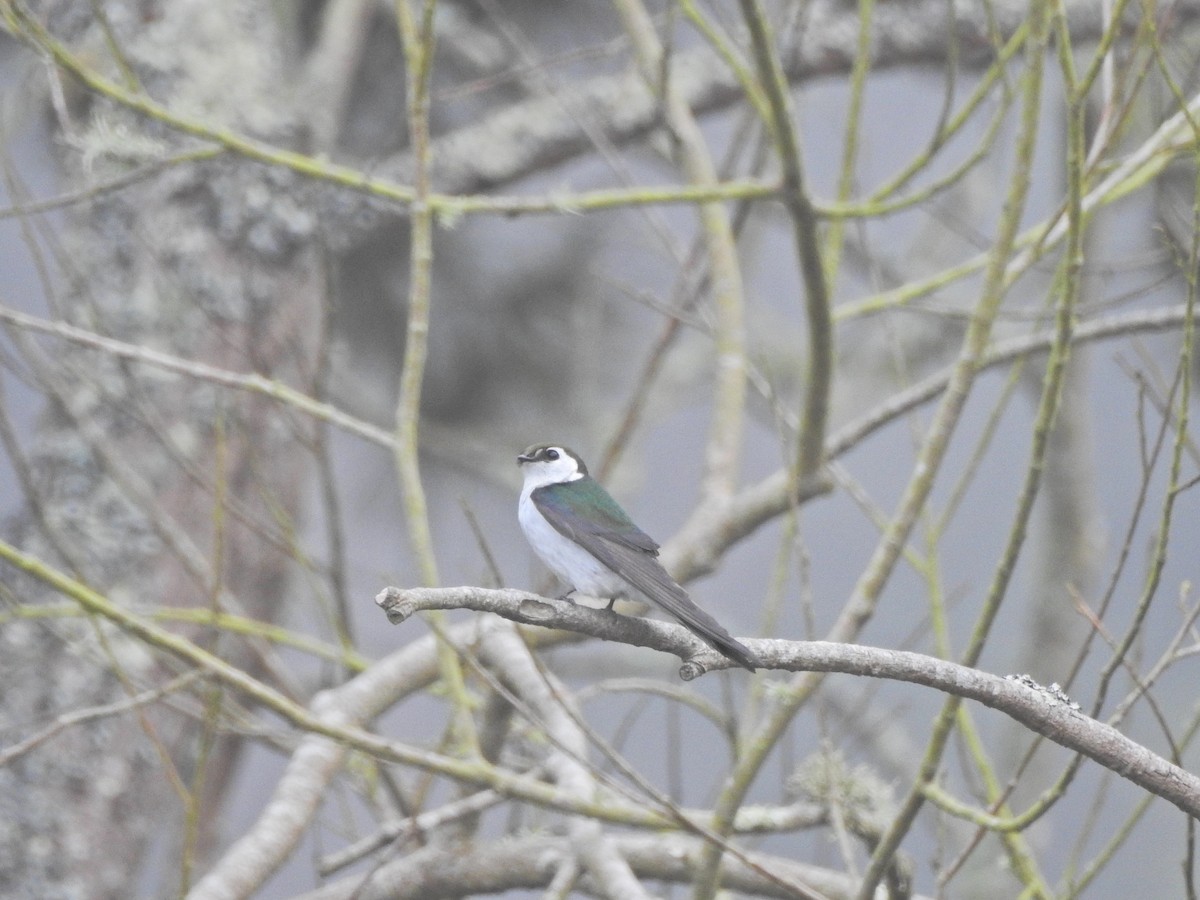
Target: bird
[584, 537]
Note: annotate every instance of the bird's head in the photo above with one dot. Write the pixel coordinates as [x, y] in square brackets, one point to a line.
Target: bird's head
[550, 464]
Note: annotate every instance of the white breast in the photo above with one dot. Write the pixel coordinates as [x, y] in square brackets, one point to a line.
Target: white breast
[566, 559]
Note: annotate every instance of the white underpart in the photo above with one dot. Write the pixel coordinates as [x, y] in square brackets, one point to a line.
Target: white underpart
[576, 567]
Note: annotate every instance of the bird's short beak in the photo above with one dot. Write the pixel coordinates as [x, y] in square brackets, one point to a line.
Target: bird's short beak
[523, 458]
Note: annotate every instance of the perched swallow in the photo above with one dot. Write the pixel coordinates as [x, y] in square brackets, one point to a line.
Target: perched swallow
[589, 542]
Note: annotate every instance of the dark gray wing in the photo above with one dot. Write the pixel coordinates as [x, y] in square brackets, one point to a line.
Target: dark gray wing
[609, 534]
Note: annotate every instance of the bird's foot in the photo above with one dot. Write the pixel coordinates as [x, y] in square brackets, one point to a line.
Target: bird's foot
[567, 596]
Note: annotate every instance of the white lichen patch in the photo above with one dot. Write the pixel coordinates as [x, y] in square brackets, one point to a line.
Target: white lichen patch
[220, 62]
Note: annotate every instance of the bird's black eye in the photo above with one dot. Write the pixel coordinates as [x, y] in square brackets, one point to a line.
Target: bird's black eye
[551, 454]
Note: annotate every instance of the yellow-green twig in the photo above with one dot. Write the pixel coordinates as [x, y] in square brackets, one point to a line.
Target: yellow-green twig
[819, 381]
[470, 771]
[418, 39]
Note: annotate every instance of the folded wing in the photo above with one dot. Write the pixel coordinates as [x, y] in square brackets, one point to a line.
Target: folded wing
[608, 534]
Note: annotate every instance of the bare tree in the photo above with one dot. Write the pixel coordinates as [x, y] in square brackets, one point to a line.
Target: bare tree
[881, 316]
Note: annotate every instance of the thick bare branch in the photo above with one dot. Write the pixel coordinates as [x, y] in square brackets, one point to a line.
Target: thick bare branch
[1039, 709]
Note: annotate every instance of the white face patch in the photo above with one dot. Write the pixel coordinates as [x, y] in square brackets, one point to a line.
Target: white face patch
[546, 470]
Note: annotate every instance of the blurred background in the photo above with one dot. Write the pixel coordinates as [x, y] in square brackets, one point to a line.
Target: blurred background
[199, 193]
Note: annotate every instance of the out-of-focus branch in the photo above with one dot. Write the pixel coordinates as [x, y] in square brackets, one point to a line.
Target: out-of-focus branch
[819, 371]
[14, 752]
[329, 69]
[533, 135]
[299, 792]
[688, 555]
[862, 602]
[231, 676]
[1145, 163]
[400, 832]
[531, 862]
[253, 382]
[697, 552]
[725, 277]
[758, 820]
[418, 43]
[335, 724]
[861, 605]
[594, 852]
[418, 39]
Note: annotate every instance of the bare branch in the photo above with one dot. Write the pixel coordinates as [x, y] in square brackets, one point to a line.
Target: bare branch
[1038, 709]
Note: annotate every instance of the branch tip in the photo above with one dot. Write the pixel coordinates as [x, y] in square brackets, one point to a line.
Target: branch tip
[391, 601]
[691, 670]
